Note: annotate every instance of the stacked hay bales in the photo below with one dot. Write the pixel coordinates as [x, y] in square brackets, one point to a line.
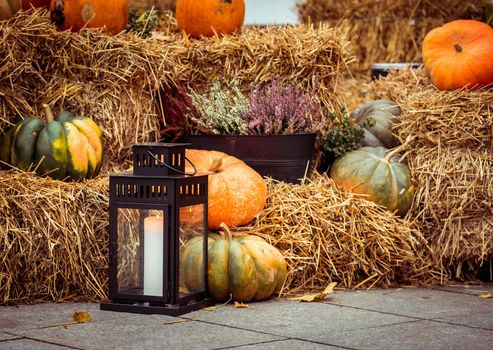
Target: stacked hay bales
[328, 235]
[53, 235]
[451, 157]
[387, 30]
[115, 79]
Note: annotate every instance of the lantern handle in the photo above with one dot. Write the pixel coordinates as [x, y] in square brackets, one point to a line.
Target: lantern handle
[171, 168]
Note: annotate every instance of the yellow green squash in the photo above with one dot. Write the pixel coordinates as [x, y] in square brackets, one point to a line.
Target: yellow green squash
[247, 267]
[68, 147]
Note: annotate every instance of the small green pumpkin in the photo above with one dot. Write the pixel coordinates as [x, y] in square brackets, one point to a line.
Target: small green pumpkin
[377, 174]
[247, 267]
[69, 147]
[384, 113]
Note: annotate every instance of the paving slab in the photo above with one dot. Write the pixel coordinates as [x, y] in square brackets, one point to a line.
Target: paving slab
[414, 335]
[290, 344]
[421, 303]
[30, 344]
[183, 335]
[45, 314]
[468, 289]
[6, 336]
[136, 331]
[287, 318]
[482, 320]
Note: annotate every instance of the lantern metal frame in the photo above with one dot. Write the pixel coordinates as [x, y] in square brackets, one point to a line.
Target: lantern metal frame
[158, 182]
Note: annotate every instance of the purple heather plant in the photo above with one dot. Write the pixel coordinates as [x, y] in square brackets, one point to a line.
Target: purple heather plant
[278, 109]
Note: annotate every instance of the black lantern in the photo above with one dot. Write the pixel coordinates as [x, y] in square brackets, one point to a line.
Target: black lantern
[154, 211]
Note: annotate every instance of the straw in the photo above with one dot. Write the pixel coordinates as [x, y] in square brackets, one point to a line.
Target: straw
[116, 79]
[53, 239]
[386, 30]
[452, 161]
[389, 9]
[328, 235]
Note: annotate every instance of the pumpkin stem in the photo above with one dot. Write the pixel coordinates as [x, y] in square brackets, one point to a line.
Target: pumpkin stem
[228, 235]
[216, 165]
[49, 114]
[57, 12]
[396, 150]
[458, 48]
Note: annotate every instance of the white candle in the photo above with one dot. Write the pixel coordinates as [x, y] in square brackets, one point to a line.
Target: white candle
[153, 256]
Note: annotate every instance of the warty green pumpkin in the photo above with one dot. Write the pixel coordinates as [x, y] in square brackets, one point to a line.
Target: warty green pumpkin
[384, 113]
[377, 174]
[246, 267]
[68, 147]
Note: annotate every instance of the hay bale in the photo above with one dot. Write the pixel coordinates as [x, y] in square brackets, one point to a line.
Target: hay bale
[451, 158]
[390, 41]
[329, 235]
[321, 10]
[114, 79]
[53, 239]
[387, 30]
[159, 5]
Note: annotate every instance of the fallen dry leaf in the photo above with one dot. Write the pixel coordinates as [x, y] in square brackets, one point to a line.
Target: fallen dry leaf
[239, 305]
[318, 296]
[82, 317]
[486, 296]
[209, 308]
[78, 317]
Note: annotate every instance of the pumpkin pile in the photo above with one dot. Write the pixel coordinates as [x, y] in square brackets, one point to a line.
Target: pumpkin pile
[65, 147]
[373, 171]
[245, 268]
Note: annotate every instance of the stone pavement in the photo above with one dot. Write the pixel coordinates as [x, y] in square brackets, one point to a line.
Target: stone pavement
[454, 317]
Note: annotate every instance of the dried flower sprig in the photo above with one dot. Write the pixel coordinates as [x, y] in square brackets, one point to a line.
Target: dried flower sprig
[175, 104]
[278, 109]
[220, 110]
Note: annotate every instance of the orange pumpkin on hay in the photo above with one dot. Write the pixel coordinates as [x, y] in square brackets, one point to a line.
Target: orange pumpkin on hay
[77, 14]
[204, 17]
[236, 192]
[459, 54]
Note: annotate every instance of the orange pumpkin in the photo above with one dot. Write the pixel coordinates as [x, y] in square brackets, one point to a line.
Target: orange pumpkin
[204, 17]
[77, 14]
[27, 4]
[459, 54]
[236, 191]
[8, 8]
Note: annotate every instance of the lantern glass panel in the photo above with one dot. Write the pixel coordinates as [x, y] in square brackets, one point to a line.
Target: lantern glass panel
[192, 231]
[140, 251]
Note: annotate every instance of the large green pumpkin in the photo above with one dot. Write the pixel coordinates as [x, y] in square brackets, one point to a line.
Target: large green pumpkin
[384, 113]
[246, 267]
[377, 174]
[9, 7]
[69, 147]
